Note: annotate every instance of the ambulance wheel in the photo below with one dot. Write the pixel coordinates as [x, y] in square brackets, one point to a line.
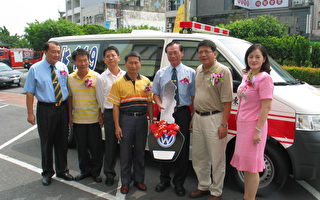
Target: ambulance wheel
[274, 176]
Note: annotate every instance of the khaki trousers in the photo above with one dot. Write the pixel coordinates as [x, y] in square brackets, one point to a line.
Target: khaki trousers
[208, 153]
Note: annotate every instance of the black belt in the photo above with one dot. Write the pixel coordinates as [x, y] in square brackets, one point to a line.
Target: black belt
[135, 114]
[181, 108]
[207, 113]
[108, 110]
[52, 104]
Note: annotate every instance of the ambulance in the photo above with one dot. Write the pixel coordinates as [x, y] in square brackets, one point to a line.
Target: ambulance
[293, 144]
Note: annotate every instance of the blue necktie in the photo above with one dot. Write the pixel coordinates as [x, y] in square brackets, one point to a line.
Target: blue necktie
[174, 78]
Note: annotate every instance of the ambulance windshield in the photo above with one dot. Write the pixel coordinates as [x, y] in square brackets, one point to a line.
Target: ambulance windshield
[239, 47]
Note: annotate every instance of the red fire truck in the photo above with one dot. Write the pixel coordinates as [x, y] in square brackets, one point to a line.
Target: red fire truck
[20, 57]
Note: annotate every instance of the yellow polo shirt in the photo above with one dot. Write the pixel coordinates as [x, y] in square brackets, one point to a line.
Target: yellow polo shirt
[85, 108]
[129, 95]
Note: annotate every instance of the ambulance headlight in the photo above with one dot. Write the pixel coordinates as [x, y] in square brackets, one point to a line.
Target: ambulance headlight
[308, 122]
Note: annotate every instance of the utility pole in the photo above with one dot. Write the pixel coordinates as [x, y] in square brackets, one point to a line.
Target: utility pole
[186, 10]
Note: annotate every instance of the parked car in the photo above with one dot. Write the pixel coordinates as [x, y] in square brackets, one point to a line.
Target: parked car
[9, 76]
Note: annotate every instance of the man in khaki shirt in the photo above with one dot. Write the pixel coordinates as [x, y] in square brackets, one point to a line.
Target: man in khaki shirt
[212, 105]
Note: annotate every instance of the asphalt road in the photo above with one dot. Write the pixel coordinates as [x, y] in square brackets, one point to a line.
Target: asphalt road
[20, 168]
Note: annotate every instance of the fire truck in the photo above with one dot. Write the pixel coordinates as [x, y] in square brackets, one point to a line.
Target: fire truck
[20, 57]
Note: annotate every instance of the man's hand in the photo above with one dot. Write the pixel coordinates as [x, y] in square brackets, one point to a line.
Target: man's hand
[118, 133]
[160, 106]
[100, 119]
[31, 119]
[222, 132]
[257, 138]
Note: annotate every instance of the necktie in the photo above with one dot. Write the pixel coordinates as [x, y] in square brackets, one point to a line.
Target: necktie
[56, 86]
[174, 78]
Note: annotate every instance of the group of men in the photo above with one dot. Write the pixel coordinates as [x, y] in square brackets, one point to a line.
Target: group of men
[121, 101]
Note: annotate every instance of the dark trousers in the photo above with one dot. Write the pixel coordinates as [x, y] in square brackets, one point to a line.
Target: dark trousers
[89, 146]
[180, 166]
[53, 132]
[111, 144]
[132, 148]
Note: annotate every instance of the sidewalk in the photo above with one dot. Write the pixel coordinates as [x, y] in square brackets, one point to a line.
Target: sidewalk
[14, 99]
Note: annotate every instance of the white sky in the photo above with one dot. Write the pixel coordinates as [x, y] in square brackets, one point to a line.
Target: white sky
[15, 14]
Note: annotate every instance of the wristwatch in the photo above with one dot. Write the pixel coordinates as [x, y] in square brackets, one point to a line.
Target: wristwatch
[224, 125]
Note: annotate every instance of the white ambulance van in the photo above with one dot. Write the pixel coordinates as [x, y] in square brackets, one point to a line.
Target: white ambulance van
[293, 145]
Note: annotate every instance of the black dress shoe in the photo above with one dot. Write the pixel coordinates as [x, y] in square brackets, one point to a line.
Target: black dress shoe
[162, 186]
[81, 176]
[97, 179]
[46, 180]
[109, 181]
[180, 191]
[66, 176]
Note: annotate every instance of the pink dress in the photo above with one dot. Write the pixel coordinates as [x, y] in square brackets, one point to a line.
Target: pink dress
[247, 155]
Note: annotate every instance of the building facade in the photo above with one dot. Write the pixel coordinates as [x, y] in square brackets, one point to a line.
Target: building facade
[115, 14]
[301, 16]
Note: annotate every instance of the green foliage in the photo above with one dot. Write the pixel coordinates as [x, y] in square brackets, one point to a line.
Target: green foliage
[315, 55]
[307, 74]
[262, 26]
[38, 33]
[301, 51]
[13, 41]
[274, 45]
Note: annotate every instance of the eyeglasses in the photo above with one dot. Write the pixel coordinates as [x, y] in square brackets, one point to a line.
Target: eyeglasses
[207, 52]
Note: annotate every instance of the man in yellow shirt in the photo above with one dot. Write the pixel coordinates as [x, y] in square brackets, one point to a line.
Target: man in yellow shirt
[85, 115]
[132, 100]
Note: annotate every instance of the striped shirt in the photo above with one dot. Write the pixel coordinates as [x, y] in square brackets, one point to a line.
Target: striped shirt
[129, 95]
[85, 107]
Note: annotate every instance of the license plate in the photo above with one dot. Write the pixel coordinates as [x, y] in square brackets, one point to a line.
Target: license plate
[16, 81]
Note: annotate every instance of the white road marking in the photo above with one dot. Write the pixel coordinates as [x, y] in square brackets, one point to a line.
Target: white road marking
[18, 137]
[310, 189]
[71, 183]
[38, 170]
[4, 106]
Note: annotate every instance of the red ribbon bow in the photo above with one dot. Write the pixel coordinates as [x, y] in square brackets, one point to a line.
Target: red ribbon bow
[162, 127]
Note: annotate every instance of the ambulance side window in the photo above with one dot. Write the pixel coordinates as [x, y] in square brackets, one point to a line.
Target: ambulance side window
[190, 57]
[150, 51]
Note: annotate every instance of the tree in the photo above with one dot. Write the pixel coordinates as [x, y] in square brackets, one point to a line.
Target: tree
[262, 26]
[13, 41]
[301, 52]
[315, 55]
[39, 33]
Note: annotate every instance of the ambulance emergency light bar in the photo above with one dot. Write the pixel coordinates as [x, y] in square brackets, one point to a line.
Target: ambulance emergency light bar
[199, 27]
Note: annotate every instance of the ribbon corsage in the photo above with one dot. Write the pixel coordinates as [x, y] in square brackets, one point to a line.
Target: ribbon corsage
[88, 82]
[63, 73]
[148, 87]
[216, 78]
[185, 80]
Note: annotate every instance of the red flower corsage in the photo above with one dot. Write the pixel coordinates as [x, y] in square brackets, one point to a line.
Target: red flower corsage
[162, 127]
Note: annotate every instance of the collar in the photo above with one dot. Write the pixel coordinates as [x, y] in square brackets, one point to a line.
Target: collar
[108, 72]
[211, 69]
[127, 78]
[48, 64]
[88, 75]
[178, 67]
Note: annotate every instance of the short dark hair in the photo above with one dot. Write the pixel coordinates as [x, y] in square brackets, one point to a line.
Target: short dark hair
[46, 45]
[110, 48]
[132, 54]
[79, 52]
[172, 43]
[207, 43]
[265, 66]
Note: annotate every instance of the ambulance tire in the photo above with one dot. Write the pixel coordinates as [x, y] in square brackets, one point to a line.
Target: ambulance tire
[71, 138]
[275, 174]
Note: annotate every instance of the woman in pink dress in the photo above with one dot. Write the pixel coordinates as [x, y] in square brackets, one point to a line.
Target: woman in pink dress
[255, 95]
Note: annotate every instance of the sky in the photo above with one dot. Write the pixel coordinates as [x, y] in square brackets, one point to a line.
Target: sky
[15, 14]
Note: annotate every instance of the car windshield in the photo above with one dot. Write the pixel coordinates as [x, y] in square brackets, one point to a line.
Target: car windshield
[4, 67]
[278, 74]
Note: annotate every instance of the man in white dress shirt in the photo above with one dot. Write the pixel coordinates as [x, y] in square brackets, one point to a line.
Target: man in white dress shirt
[103, 86]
